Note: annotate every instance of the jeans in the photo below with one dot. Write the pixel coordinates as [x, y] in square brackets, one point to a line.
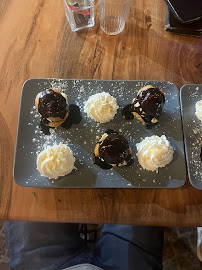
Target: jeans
[51, 246]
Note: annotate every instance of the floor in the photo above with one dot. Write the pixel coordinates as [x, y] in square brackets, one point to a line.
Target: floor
[179, 249]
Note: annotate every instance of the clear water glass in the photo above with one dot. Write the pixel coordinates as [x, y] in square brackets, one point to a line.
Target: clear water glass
[113, 15]
[79, 13]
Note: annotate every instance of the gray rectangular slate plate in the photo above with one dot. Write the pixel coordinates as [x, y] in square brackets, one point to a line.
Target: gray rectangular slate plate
[82, 137]
[192, 126]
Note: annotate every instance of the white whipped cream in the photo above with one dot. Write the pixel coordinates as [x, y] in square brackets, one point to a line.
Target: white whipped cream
[154, 152]
[55, 161]
[101, 107]
[198, 108]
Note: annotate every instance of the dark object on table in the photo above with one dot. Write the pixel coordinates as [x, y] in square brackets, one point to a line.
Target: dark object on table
[186, 11]
[173, 25]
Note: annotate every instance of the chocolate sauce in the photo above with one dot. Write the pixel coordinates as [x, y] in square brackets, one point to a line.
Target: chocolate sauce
[127, 112]
[151, 103]
[101, 164]
[43, 126]
[74, 117]
[52, 104]
[114, 149]
[110, 131]
[151, 100]
[148, 104]
[130, 162]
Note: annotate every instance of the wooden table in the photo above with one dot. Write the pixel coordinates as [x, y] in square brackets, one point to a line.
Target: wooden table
[36, 42]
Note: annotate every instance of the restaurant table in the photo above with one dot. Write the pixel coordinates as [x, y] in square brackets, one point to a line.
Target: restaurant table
[36, 42]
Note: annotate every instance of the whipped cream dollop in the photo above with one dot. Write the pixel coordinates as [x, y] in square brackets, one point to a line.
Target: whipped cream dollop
[101, 107]
[55, 161]
[198, 111]
[154, 152]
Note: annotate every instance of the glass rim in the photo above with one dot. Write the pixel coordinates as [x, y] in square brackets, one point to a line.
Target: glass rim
[78, 9]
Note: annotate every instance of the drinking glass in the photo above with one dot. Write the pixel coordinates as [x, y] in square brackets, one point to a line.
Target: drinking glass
[113, 15]
[79, 13]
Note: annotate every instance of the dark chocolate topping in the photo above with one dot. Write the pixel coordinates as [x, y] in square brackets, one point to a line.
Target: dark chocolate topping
[44, 126]
[110, 131]
[151, 104]
[114, 149]
[74, 116]
[52, 104]
[127, 112]
[101, 164]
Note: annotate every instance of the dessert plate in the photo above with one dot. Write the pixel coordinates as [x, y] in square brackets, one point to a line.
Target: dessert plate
[192, 126]
[82, 138]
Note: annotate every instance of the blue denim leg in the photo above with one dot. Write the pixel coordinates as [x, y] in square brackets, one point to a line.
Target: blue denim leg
[48, 246]
[44, 246]
[125, 247]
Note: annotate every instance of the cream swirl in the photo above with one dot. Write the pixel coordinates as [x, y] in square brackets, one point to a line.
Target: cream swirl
[154, 152]
[55, 161]
[198, 108]
[101, 107]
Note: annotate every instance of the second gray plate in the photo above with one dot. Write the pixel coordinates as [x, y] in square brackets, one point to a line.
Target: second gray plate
[192, 126]
[82, 137]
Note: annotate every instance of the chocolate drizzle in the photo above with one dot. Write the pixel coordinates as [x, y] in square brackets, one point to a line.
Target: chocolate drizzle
[101, 164]
[52, 104]
[148, 104]
[127, 112]
[114, 149]
[74, 117]
[43, 126]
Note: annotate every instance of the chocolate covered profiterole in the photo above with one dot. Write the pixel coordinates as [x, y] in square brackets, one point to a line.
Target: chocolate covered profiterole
[112, 150]
[53, 107]
[147, 106]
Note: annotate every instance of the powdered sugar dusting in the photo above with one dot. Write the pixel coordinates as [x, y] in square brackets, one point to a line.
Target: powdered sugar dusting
[193, 133]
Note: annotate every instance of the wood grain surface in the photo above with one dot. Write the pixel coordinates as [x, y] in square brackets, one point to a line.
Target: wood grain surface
[36, 42]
